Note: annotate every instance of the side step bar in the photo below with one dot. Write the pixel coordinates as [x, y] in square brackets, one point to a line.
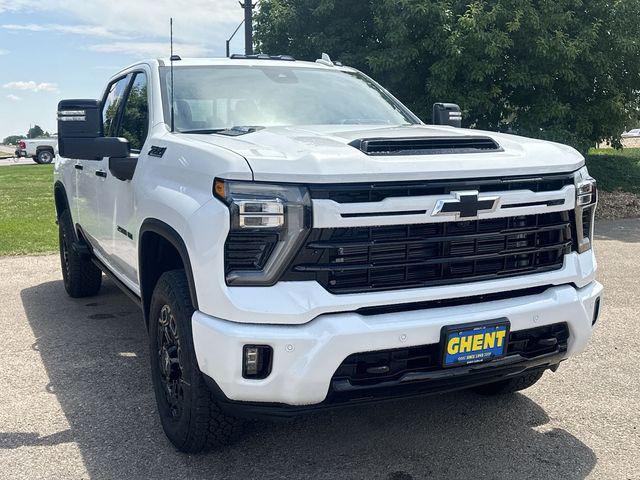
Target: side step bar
[130, 293]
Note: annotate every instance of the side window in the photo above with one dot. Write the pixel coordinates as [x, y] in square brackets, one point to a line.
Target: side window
[135, 118]
[111, 105]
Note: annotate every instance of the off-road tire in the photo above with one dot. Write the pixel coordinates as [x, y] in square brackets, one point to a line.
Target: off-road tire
[511, 385]
[44, 157]
[81, 277]
[197, 423]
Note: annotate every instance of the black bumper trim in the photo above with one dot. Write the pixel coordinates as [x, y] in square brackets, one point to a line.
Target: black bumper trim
[343, 394]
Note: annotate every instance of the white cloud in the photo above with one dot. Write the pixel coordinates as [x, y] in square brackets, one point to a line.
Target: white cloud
[14, 98]
[196, 22]
[32, 86]
[87, 30]
[150, 49]
[4, 52]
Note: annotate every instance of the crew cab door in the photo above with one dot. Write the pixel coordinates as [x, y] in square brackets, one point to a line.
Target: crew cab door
[118, 207]
[91, 174]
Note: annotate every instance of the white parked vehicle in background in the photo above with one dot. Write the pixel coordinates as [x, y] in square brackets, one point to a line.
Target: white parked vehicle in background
[297, 239]
[635, 133]
[41, 150]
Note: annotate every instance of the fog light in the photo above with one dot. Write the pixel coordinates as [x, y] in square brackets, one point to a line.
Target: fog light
[256, 361]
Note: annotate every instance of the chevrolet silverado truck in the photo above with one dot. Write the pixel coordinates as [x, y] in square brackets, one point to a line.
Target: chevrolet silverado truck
[297, 239]
[41, 150]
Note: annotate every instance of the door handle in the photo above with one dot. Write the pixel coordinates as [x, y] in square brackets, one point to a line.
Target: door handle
[78, 166]
[101, 173]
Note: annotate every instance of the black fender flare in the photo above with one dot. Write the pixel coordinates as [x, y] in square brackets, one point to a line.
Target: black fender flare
[173, 237]
[60, 198]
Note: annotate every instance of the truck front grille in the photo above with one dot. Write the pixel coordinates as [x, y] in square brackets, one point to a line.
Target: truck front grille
[361, 259]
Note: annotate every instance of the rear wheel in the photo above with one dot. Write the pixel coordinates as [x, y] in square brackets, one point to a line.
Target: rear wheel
[81, 277]
[511, 385]
[190, 416]
[44, 156]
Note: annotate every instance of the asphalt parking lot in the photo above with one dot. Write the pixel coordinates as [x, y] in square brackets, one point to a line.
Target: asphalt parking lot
[77, 401]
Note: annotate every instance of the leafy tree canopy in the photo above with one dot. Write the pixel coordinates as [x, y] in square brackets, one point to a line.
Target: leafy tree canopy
[12, 139]
[35, 132]
[563, 70]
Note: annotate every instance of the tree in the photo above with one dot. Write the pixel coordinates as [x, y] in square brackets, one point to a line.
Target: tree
[12, 139]
[35, 132]
[563, 70]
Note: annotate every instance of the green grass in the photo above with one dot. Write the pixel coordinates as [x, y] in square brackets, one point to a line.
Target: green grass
[27, 211]
[616, 169]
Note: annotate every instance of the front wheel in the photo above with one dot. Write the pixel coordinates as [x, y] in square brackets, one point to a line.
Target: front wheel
[511, 385]
[190, 416]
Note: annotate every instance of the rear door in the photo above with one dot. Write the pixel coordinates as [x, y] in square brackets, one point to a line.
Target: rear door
[92, 173]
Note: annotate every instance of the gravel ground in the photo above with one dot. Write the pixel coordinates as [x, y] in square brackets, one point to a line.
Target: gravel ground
[613, 205]
[77, 401]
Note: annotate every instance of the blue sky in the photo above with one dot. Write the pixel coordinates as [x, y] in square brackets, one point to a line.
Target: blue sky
[55, 49]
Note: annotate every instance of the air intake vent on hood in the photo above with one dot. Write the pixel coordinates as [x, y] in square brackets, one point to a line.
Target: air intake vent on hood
[425, 145]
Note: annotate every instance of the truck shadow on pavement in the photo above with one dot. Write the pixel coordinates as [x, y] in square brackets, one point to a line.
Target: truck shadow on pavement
[96, 356]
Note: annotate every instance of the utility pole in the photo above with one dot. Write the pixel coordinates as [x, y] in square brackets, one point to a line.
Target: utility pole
[248, 26]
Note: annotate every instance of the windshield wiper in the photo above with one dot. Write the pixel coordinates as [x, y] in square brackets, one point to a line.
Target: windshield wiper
[231, 132]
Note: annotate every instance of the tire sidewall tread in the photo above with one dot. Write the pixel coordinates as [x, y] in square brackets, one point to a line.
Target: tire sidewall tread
[202, 424]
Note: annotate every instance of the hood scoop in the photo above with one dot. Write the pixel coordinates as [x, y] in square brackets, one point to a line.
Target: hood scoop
[425, 145]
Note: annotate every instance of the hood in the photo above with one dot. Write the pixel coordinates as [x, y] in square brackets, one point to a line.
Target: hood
[322, 154]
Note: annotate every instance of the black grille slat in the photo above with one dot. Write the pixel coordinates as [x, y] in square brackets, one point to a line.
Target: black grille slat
[360, 259]
[248, 251]
[375, 192]
[372, 265]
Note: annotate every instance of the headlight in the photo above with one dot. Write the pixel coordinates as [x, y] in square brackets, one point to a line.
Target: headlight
[586, 201]
[269, 223]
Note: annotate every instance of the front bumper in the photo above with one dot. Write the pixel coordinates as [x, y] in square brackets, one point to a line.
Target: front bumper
[305, 357]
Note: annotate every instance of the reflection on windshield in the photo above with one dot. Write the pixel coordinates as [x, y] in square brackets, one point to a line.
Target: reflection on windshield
[217, 98]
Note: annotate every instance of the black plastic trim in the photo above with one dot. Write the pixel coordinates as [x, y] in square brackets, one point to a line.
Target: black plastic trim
[126, 290]
[123, 168]
[173, 237]
[385, 146]
[426, 383]
[381, 190]
[451, 302]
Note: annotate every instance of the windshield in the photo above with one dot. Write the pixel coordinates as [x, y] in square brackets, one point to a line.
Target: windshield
[223, 97]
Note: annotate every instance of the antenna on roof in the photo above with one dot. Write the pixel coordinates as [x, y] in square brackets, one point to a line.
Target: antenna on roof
[172, 58]
[171, 69]
[325, 60]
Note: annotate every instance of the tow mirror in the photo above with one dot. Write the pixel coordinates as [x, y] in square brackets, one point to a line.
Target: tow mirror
[447, 114]
[80, 132]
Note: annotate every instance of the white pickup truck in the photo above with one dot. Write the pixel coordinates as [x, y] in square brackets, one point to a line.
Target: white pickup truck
[297, 239]
[41, 150]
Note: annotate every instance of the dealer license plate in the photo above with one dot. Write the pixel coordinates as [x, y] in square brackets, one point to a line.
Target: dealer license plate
[474, 343]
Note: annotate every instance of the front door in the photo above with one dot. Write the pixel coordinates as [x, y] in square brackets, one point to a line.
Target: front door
[91, 174]
[118, 208]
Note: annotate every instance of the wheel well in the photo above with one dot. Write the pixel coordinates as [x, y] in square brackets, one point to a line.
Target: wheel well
[60, 197]
[45, 147]
[158, 254]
